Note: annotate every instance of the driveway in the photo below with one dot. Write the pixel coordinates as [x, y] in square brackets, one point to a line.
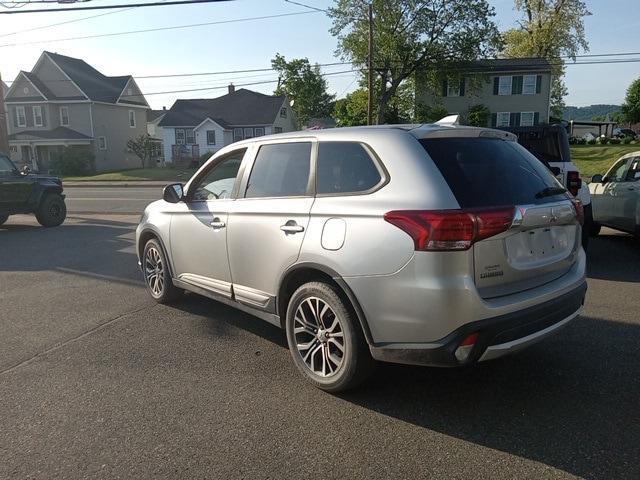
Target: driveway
[97, 381]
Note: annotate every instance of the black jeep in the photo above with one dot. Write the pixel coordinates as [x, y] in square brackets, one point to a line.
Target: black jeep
[26, 192]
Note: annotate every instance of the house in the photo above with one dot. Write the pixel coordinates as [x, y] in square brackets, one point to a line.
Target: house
[64, 101]
[154, 130]
[516, 91]
[4, 139]
[194, 127]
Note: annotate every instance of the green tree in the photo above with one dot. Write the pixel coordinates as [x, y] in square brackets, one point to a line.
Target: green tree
[304, 84]
[142, 147]
[430, 113]
[478, 115]
[550, 29]
[351, 111]
[412, 35]
[631, 105]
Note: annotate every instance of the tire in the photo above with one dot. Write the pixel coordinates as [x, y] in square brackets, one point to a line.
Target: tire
[334, 358]
[588, 226]
[3, 218]
[157, 277]
[52, 210]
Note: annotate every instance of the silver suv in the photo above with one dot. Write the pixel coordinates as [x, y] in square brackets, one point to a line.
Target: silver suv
[431, 245]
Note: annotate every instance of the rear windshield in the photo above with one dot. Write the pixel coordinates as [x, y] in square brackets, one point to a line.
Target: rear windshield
[485, 172]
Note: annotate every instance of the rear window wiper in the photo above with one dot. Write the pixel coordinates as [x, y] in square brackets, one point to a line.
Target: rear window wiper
[550, 191]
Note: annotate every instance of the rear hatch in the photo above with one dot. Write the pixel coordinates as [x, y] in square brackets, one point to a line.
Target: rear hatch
[543, 240]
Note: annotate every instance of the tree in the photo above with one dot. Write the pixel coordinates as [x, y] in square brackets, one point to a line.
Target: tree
[478, 115]
[550, 29]
[631, 105]
[412, 35]
[351, 111]
[304, 84]
[142, 146]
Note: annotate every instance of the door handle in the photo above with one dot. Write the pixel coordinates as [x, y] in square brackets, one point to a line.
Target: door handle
[291, 227]
[217, 223]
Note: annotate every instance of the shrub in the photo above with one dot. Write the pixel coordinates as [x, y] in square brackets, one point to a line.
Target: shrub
[591, 141]
[614, 141]
[626, 140]
[478, 116]
[603, 140]
[74, 161]
[204, 157]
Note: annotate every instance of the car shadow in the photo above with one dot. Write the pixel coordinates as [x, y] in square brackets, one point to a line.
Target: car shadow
[614, 256]
[95, 248]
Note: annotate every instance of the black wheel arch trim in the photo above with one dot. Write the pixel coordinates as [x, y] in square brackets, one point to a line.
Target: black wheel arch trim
[341, 283]
[156, 235]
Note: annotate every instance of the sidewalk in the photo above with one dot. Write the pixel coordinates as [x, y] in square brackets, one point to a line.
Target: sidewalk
[119, 183]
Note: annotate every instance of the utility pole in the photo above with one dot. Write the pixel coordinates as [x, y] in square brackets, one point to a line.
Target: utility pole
[4, 134]
[370, 68]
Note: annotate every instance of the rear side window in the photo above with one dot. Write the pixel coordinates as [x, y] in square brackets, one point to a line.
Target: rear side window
[345, 167]
[280, 170]
[486, 172]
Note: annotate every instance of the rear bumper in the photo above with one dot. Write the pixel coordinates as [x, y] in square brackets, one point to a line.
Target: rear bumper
[497, 336]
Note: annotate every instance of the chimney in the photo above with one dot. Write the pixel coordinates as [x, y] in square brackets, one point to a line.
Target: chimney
[4, 139]
[232, 88]
[164, 109]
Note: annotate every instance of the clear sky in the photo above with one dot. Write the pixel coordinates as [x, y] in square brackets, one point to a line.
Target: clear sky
[613, 27]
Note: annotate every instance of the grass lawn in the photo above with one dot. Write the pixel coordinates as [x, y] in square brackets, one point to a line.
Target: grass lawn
[592, 159]
[159, 174]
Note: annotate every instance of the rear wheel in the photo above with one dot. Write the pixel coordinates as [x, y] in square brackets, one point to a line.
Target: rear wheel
[157, 277]
[325, 339]
[52, 210]
[3, 218]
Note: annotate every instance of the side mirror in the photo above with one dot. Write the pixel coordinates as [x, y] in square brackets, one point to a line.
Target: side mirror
[26, 170]
[597, 178]
[173, 193]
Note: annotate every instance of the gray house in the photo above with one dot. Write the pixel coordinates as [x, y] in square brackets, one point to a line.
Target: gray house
[194, 127]
[64, 101]
[516, 91]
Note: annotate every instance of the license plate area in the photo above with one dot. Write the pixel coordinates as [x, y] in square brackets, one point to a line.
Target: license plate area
[538, 246]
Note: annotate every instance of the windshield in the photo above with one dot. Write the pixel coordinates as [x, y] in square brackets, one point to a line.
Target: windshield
[485, 172]
[5, 165]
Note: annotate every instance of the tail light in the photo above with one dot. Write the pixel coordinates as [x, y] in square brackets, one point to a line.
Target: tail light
[577, 204]
[574, 182]
[443, 230]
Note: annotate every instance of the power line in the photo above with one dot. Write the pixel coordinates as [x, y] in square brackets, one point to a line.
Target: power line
[306, 6]
[157, 29]
[104, 7]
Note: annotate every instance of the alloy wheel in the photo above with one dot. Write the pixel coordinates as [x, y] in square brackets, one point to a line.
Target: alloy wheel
[319, 337]
[154, 271]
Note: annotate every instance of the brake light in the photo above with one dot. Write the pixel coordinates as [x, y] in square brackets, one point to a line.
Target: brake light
[574, 182]
[577, 205]
[443, 230]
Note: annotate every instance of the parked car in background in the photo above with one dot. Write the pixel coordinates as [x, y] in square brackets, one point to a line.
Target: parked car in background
[616, 196]
[26, 192]
[433, 245]
[623, 133]
[550, 145]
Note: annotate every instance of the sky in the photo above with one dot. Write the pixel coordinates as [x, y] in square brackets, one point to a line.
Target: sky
[614, 27]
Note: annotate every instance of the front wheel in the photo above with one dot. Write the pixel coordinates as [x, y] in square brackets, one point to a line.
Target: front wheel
[157, 277]
[325, 339]
[52, 210]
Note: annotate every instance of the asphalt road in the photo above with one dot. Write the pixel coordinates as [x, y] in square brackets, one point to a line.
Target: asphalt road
[97, 381]
[109, 199]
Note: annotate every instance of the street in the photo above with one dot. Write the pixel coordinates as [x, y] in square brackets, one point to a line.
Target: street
[97, 380]
[94, 198]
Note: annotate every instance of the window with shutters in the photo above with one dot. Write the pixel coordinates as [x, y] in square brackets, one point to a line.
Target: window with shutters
[190, 135]
[21, 116]
[453, 89]
[64, 116]
[504, 85]
[529, 85]
[38, 120]
[503, 119]
[526, 119]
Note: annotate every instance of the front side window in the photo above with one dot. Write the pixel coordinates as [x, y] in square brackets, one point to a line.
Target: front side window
[529, 85]
[504, 86]
[64, 116]
[179, 136]
[218, 182]
[526, 119]
[190, 136]
[21, 117]
[132, 118]
[37, 116]
[345, 167]
[211, 137]
[280, 170]
[618, 171]
[633, 175]
[503, 119]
